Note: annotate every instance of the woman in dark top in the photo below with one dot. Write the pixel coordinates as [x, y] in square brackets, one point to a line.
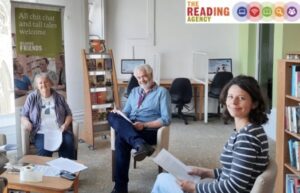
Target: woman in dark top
[245, 155]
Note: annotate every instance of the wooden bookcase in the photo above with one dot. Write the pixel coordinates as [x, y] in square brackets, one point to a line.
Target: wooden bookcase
[100, 93]
[284, 99]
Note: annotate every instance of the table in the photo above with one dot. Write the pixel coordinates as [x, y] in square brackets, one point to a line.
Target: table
[48, 185]
[198, 91]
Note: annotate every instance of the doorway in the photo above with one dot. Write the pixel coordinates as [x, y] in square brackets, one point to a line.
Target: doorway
[265, 61]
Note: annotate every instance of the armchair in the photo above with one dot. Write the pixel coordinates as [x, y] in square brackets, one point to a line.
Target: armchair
[28, 148]
[264, 183]
[162, 142]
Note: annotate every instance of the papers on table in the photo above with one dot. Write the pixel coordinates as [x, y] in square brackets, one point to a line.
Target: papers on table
[67, 165]
[8, 147]
[174, 166]
[123, 115]
[52, 139]
[46, 170]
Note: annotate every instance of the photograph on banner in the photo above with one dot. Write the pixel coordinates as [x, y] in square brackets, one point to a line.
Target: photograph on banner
[38, 48]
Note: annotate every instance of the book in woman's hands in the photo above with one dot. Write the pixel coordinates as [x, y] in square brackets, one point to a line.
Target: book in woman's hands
[174, 166]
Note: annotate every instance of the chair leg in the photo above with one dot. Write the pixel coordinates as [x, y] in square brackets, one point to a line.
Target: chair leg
[113, 165]
[134, 163]
[181, 115]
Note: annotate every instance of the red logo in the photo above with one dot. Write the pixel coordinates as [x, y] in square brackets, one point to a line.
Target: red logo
[254, 11]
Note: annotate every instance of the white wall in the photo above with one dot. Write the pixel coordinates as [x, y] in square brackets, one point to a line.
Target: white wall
[153, 26]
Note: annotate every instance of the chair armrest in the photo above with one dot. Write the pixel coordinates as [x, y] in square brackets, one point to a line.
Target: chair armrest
[264, 183]
[162, 138]
[112, 138]
[75, 133]
[3, 183]
[25, 140]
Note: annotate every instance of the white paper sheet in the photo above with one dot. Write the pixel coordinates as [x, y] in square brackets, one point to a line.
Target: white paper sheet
[123, 115]
[174, 166]
[8, 147]
[46, 170]
[52, 139]
[67, 165]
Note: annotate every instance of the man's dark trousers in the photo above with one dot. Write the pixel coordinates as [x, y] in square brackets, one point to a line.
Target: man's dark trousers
[127, 138]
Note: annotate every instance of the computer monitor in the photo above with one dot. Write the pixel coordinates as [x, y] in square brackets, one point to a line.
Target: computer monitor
[218, 64]
[128, 65]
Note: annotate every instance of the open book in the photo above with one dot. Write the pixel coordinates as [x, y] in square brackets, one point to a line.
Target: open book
[174, 166]
[123, 115]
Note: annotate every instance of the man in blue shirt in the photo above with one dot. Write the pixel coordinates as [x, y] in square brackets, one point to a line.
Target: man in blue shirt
[149, 108]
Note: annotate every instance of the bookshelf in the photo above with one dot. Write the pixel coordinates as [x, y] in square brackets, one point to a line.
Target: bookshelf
[284, 99]
[100, 93]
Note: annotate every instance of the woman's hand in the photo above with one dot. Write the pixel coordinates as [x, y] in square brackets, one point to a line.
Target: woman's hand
[26, 124]
[63, 128]
[202, 172]
[138, 125]
[187, 186]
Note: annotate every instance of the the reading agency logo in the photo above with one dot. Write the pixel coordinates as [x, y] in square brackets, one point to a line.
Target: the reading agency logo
[250, 11]
[199, 13]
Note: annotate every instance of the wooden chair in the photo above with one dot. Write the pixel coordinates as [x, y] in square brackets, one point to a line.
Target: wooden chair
[162, 142]
[29, 149]
[265, 182]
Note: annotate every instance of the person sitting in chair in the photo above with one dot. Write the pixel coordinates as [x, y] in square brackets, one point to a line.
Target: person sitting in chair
[245, 155]
[45, 109]
[149, 108]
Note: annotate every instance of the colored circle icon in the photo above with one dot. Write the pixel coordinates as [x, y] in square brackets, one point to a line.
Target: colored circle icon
[240, 11]
[292, 11]
[254, 11]
[267, 12]
[279, 11]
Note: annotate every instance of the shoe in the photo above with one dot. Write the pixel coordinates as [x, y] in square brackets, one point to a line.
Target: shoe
[115, 191]
[143, 151]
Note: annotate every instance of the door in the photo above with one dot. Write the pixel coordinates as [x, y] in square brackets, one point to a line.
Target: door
[265, 61]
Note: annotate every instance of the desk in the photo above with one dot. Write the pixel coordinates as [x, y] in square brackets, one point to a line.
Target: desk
[48, 185]
[198, 90]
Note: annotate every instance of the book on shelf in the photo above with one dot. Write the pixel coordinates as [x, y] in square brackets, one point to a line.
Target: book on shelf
[297, 154]
[97, 81]
[292, 118]
[91, 64]
[292, 152]
[289, 183]
[99, 64]
[108, 64]
[297, 184]
[295, 81]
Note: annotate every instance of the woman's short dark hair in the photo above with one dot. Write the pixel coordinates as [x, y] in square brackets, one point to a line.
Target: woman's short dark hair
[257, 115]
